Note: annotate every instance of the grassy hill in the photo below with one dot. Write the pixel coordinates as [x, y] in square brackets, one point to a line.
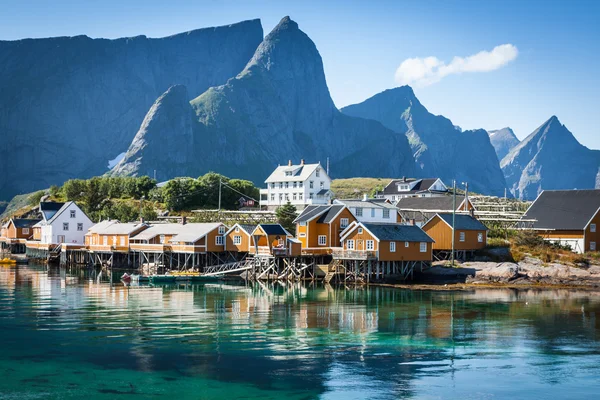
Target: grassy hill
[353, 188]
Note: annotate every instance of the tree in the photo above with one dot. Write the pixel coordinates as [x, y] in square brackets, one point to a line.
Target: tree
[35, 198]
[73, 189]
[149, 213]
[286, 214]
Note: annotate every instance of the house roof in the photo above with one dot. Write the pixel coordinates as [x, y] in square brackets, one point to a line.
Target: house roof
[274, 229]
[62, 209]
[462, 222]
[311, 212]
[120, 228]
[421, 185]
[439, 203]
[102, 225]
[299, 173]
[369, 203]
[245, 227]
[323, 192]
[25, 222]
[193, 232]
[564, 209]
[49, 209]
[397, 232]
[330, 214]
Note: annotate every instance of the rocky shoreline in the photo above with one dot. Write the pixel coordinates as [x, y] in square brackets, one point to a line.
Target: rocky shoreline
[529, 272]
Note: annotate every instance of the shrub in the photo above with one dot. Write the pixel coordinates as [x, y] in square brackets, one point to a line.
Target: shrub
[528, 239]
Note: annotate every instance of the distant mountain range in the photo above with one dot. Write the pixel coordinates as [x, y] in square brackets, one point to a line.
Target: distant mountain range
[227, 100]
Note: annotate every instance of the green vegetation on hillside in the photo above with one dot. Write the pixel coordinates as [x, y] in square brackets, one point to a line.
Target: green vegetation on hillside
[354, 188]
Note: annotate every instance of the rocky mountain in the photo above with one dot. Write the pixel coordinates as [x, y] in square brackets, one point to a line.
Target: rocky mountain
[550, 158]
[277, 108]
[68, 105]
[503, 141]
[440, 149]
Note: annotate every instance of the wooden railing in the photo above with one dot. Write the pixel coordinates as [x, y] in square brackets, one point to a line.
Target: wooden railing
[354, 254]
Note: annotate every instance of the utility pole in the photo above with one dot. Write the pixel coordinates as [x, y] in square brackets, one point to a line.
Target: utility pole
[220, 184]
[453, 218]
[141, 203]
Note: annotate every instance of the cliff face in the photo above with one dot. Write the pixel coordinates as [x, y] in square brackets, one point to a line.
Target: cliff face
[503, 141]
[278, 108]
[550, 158]
[440, 149]
[68, 105]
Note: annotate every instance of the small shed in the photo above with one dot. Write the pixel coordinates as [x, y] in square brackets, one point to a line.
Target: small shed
[469, 233]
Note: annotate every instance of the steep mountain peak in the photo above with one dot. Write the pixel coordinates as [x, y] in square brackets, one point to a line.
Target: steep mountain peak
[503, 141]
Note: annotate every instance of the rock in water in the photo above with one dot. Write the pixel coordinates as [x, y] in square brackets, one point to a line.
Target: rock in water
[70, 104]
[440, 149]
[277, 108]
[550, 158]
[503, 141]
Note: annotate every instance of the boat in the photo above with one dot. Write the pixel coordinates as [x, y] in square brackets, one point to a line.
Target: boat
[8, 261]
[126, 278]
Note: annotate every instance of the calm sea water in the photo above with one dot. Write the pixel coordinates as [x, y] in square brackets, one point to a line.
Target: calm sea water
[64, 336]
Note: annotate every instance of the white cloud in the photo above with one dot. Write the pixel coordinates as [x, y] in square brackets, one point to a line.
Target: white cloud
[429, 70]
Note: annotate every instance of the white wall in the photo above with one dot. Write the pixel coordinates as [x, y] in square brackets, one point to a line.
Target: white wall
[50, 233]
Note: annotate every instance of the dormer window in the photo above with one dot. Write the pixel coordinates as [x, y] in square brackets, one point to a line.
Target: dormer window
[402, 188]
[288, 173]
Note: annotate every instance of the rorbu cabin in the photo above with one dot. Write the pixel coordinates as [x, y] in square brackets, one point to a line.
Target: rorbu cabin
[567, 217]
[385, 242]
[112, 236]
[469, 233]
[239, 238]
[181, 238]
[418, 210]
[318, 227]
[271, 240]
[20, 228]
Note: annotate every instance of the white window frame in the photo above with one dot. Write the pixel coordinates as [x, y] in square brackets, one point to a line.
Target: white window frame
[372, 213]
[161, 239]
[461, 236]
[237, 229]
[25, 231]
[360, 231]
[350, 244]
[423, 247]
[311, 185]
[122, 241]
[299, 196]
[65, 226]
[344, 222]
[359, 211]
[72, 213]
[221, 230]
[322, 240]
[302, 234]
[219, 240]
[592, 228]
[480, 237]
[406, 244]
[105, 240]
[80, 227]
[386, 213]
[592, 246]
[392, 247]
[318, 173]
[370, 245]
[237, 239]
[302, 223]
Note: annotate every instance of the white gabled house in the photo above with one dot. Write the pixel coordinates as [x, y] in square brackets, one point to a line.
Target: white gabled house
[302, 185]
[410, 187]
[69, 224]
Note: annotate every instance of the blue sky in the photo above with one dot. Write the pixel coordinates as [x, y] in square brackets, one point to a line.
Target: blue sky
[363, 43]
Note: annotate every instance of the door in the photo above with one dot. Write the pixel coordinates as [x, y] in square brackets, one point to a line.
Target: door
[360, 245]
[61, 238]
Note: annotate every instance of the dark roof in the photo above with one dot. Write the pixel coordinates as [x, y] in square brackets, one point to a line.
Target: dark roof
[310, 212]
[564, 209]
[401, 233]
[422, 185]
[322, 192]
[463, 222]
[248, 228]
[49, 208]
[442, 203]
[25, 222]
[330, 214]
[273, 229]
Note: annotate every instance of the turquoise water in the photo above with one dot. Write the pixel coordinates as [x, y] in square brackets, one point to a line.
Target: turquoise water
[64, 336]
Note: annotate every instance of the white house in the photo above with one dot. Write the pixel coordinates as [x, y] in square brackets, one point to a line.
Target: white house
[411, 187]
[301, 185]
[68, 224]
[371, 210]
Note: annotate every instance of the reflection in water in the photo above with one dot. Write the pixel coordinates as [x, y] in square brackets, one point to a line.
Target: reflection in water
[63, 335]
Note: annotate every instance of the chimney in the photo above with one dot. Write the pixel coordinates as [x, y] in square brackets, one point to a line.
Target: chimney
[183, 220]
[412, 221]
[403, 179]
[302, 162]
[289, 163]
[365, 197]
[142, 220]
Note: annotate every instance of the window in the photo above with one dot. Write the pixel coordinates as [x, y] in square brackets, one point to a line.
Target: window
[299, 196]
[105, 240]
[219, 240]
[311, 184]
[295, 185]
[322, 185]
[272, 196]
[394, 198]
[287, 185]
[310, 196]
[65, 226]
[392, 247]
[161, 239]
[461, 236]
[303, 235]
[480, 237]
[280, 197]
[221, 230]
[280, 185]
[80, 227]
[287, 197]
[344, 222]
[294, 196]
[237, 239]
[272, 185]
[322, 240]
[360, 231]
[237, 228]
[318, 173]
[72, 213]
[423, 247]
[372, 213]
[350, 244]
[302, 223]
[592, 227]
[592, 246]
[370, 245]
[299, 184]
[288, 173]
[359, 211]
[25, 231]
[386, 213]
[122, 240]
[406, 244]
